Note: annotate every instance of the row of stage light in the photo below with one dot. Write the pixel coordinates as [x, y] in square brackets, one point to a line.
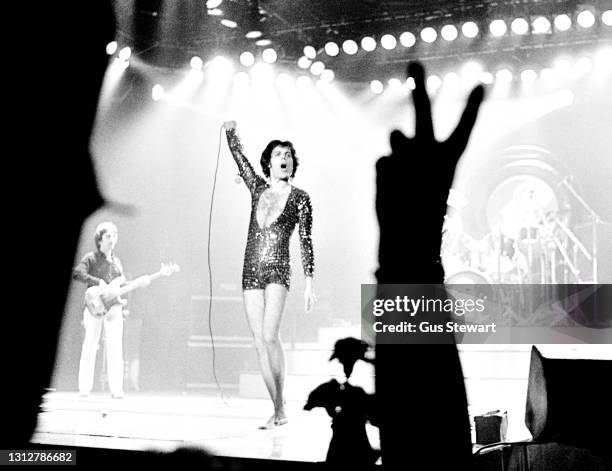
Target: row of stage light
[313, 59]
[497, 28]
[471, 73]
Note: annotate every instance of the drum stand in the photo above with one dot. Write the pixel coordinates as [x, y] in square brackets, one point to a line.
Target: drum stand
[595, 219]
[571, 264]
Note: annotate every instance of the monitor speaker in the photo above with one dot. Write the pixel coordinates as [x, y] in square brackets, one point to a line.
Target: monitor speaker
[569, 401]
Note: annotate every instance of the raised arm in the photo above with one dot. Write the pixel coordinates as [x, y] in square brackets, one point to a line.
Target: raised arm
[244, 166]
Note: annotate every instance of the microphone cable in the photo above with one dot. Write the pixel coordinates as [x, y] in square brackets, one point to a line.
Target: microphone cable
[210, 284]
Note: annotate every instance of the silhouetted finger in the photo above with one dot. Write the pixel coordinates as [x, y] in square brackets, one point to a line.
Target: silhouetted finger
[399, 143]
[458, 140]
[422, 106]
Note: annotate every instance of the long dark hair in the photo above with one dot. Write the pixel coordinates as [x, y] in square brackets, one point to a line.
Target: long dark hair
[266, 156]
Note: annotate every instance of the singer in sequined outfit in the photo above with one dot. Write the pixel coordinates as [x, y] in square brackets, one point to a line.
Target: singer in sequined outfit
[276, 208]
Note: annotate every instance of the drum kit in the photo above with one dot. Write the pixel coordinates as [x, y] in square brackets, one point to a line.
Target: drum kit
[529, 241]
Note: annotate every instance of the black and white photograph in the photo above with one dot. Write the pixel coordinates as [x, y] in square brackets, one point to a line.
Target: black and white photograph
[265, 234]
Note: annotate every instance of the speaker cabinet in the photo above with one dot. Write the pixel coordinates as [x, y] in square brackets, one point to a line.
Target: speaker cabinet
[570, 401]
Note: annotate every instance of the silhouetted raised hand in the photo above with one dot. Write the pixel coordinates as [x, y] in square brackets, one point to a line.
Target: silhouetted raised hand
[420, 392]
[412, 189]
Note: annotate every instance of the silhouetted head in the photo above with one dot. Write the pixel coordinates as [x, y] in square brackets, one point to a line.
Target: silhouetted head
[347, 351]
[280, 157]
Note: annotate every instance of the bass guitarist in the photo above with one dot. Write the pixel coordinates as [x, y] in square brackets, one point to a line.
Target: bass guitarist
[100, 268]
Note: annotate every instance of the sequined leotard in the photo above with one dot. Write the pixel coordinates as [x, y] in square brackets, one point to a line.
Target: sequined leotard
[266, 258]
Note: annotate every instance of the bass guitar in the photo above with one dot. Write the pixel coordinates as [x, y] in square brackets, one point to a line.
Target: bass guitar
[99, 299]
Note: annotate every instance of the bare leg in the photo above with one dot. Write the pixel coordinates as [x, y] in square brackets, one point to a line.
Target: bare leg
[275, 296]
[254, 307]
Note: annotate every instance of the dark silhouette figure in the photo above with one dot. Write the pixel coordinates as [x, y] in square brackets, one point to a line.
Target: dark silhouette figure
[55, 187]
[350, 408]
[347, 351]
[419, 388]
[52, 113]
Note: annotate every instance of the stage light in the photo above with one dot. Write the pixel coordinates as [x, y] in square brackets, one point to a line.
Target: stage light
[247, 59]
[469, 29]
[487, 78]
[111, 48]
[332, 49]
[195, 76]
[410, 83]
[586, 19]
[263, 42]
[269, 56]
[253, 34]
[546, 74]
[310, 52]
[519, 26]
[428, 34]
[283, 80]
[449, 32]
[317, 68]
[503, 76]
[498, 28]
[376, 86]
[157, 92]
[451, 79]
[528, 76]
[368, 43]
[350, 47]
[583, 66]
[540, 25]
[327, 75]
[303, 82]
[471, 72]
[433, 83]
[563, 22]
[563, 67]
[395, 83]
[388, 41]
[210, 4]
[196, 63]
[304, 62]
[242, 78]
[121, 64]
[262, 75]
[606, 17]
[407, 39]
[125, 53]
[215, 12]
[229, 23]
[221, 66]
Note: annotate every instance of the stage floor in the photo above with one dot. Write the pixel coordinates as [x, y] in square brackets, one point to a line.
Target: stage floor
[222, 426]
